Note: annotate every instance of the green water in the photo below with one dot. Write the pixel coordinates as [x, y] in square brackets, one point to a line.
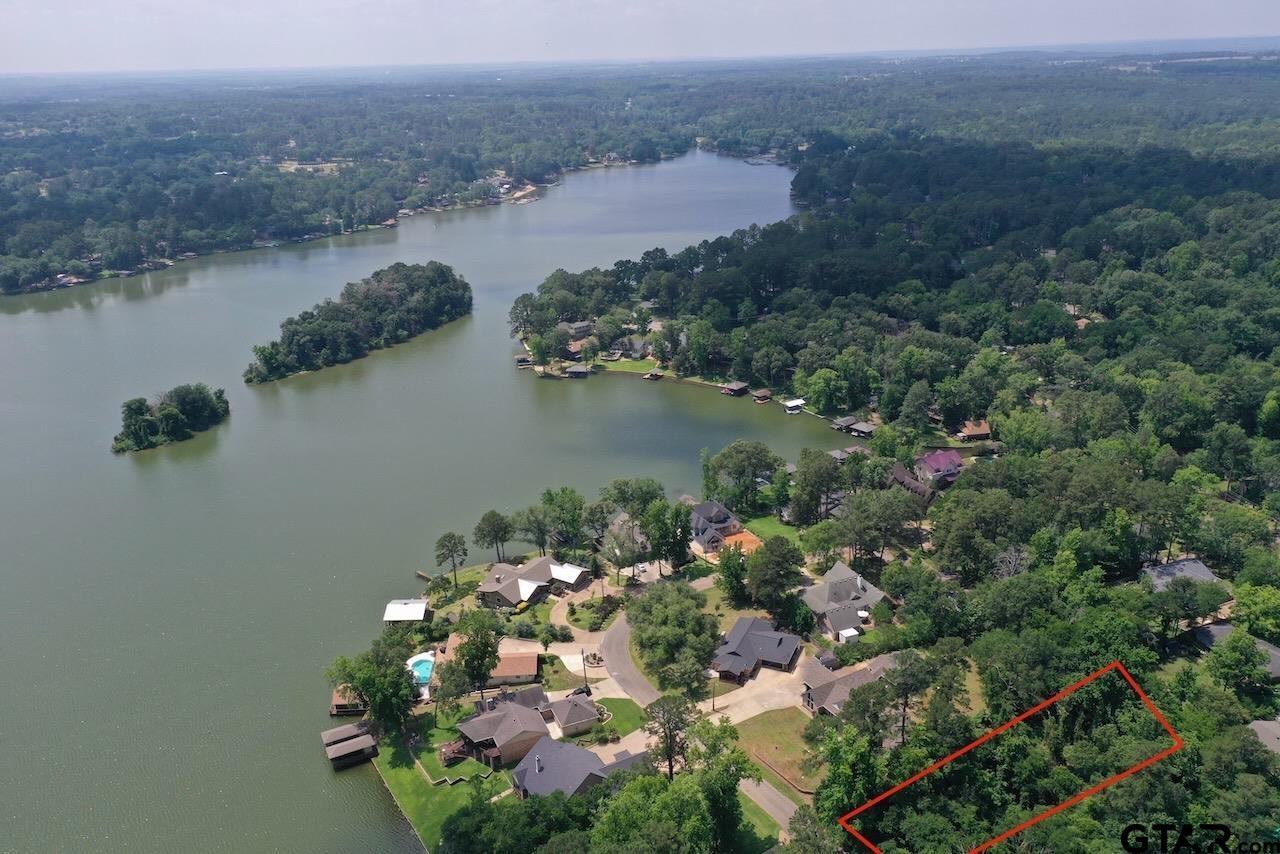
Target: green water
[165, 618]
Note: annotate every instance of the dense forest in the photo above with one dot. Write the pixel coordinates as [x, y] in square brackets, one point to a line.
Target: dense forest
[392, 305]
[172, 417]
[98, 177]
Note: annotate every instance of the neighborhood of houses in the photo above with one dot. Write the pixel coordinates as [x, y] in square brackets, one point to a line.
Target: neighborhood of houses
[536, 738]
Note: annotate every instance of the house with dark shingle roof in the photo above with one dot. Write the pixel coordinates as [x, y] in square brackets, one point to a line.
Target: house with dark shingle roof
[504, 734]
[1163, 575]
[711, 523]
[842, 602]
[827, 697]
[553, 766]
[751, 643]
[574, 714]
[1208, 636]
[508, 586]
[1268, 732]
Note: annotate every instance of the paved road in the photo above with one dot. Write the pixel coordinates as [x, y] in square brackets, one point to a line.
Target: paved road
[777, 805]
[615, 647]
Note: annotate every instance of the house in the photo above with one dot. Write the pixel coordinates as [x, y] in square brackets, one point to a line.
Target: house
[502, 735]
[793, 406]
[576, 328]
[575, 350]
[349, 745]
[828, 696]
[407, 611]
[624, 529]
[839, 455]
[939, 468]
[577, 372]
[1211, 634]
[1162, 575]
[899, 475]
[762, 395]
[751, 643]
[533, 697]
[553, 766]
[513, 668]
[973, 431]
[842, 602]
[735, 388]
[574, 714]
[632, 346]
[508, 586]
[711, 523]
[1268, 732]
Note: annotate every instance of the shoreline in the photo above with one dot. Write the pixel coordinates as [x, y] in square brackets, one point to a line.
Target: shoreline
[524, 195]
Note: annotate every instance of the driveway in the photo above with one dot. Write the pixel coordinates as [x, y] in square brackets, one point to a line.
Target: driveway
[779, 807]
[769, 690]
[615, 647]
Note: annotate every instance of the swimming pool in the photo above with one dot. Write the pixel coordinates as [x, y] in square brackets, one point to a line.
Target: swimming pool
[422, 664]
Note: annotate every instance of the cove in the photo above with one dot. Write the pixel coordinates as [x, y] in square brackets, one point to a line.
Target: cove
[166, 617]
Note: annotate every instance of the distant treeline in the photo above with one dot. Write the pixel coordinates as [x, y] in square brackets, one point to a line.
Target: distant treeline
[173, 416]
[390, 306]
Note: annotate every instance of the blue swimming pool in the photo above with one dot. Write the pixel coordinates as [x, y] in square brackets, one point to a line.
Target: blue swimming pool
[422, 668]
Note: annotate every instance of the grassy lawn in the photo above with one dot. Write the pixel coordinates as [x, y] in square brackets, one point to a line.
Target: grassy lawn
[630, 366]
[977, 699]
[728, 614]
[584, 611]
[557, 677]
[777, 736]
[426, 806]
[435, 733]
[758, 832]
[627, 714]
[699, 568]
[768, 526]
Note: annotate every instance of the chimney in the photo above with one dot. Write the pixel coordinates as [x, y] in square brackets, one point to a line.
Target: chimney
[537, 762]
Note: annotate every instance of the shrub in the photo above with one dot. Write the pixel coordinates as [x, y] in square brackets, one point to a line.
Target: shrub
[524, 629]
[573, 610]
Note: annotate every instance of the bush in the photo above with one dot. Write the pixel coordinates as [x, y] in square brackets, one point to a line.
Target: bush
[524, 629]
[573, 610]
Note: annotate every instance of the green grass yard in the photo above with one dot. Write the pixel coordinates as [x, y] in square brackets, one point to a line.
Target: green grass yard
[777, 736]
[426, 806]
[768, 526]
[758, 831]
[630, 366]
[557, 677]
[728, 614]
[627, 714]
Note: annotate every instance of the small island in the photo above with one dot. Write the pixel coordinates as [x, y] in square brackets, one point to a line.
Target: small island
[178, 414]
[392, 305]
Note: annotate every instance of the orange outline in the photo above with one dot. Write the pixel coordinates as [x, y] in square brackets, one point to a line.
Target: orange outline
[1178, 744]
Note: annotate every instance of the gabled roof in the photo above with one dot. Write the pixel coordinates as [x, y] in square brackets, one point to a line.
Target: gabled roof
[1163, 575]
[752, 641]
[712, 512]
[841, 589]
[504, 724]
[518, 584]
[553, 766]
[574, 710]
[940, 460]
[831, 695]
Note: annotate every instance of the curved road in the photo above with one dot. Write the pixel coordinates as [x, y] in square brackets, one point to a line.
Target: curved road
[615, 646]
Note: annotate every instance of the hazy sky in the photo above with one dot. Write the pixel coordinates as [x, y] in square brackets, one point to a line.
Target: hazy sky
[116, 35]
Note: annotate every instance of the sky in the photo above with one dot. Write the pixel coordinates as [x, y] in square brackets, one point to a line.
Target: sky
[126, 35]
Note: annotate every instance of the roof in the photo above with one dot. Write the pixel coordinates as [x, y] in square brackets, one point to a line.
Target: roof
[344, 733]
[553, 766]
[762, 393]
[533, 697]
[976, 428]
[1163, 575]
[515, 664]
[518, 584]
[578, 369]
[574, 710]
[713, 512]
[940, 460]
[1211, 634]
[504, 724]
[863, 427]
[794, 403]
[752, 641]
[840, 595]
[1268, 732]
[831, 695]
[352, 745]
[400, 610]
[904, 478]
[736, 385]
[845, 421]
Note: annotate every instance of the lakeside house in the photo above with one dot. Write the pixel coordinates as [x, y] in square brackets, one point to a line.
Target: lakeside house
[500, 736]
[734, 389]
[854, 426]
[753, 643]
[939, 468]
[407, 611]
[349, 745]
[513, 667]
[1214, 633]
[842, 602]
[827, 697]
[574, 714]
[577, 329]
[553, 766]
[530, 582]
[712, 524]
[904, 478]
[1162, 575]
[974, 431]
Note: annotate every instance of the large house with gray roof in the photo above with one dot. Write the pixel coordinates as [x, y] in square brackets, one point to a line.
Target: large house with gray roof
[842, 602]
[1214, 633]
[503, 734]
[711, 523]
[829, 695]
[554, 766]
[751, 643]
[508, 586]
[1162, 575]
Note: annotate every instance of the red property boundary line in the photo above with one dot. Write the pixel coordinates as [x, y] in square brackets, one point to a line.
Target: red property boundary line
[1116, 666]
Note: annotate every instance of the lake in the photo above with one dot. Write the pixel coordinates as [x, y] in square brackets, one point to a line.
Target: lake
[166, 617]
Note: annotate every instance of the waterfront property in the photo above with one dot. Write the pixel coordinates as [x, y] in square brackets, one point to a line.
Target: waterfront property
[711, 524]
[1162, 575]
[530, 582]
[762, 395]
[500, 736]
[578, 372]
[854, 426]
[794, 406]
[422, 666]
[939, 468]
[904, 478]
[513, 667]
[577, 329]
[842, 602]
[974, 431]
[553, 766]
[344, 701]
[734, 389]
[349, 745]
[407, 611]
[750, 644]
[827, 696]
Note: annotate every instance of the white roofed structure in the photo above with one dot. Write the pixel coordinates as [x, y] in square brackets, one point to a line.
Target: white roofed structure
[406, 611]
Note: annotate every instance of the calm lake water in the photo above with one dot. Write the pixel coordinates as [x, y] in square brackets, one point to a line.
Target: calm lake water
[166, 618]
